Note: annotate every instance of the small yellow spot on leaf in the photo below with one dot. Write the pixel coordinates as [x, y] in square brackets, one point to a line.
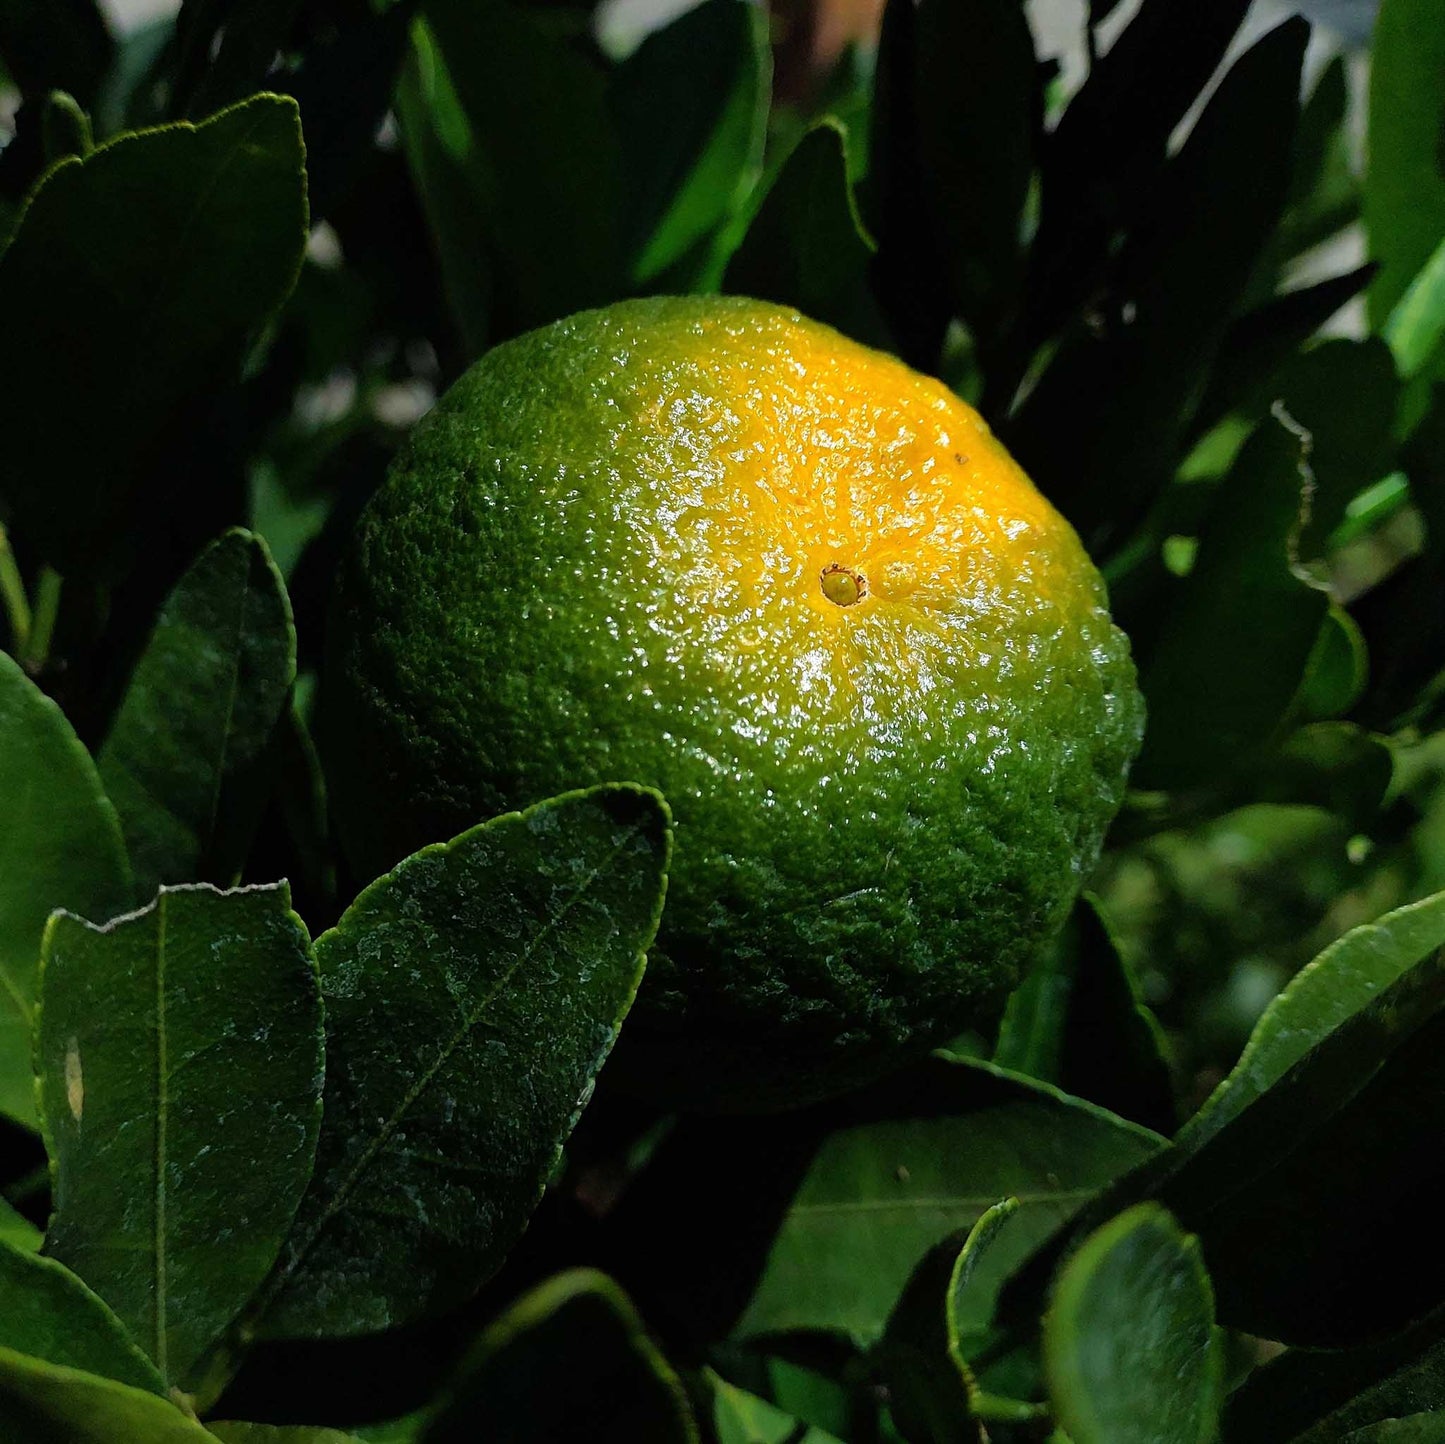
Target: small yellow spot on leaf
[74, 1084]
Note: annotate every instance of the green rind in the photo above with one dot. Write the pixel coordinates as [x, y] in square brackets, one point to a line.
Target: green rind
[840, 893]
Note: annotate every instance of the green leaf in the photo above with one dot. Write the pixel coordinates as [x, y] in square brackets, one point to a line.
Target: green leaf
[186, 759]
[570, 1360]
[472, 995]
[66, 127]
[1101, 164]
[1347, 1134]
[1129, 1347]
[1325, 191]
[805, 246]
[345, 87]
[1338, 668]
[976, 144]
[1324, 1397]
[50, 1314]
[1077, 1021]
[954, 161]
[1262, 341]
[180, 1058]
[905, 1164]
[540, 151]
[60, 846]
[1405, 179]
[43, 1403]
[1177, 285]
[129, 291]
[1342, 980]
[17, 1231]
[930, 1389]
[968, 1302]
[437, 142]
[909, 275]
[742, 1418]
[690, 107]
[1336, 766]
[1219, 687]
[1416, 325]
[233, 1432]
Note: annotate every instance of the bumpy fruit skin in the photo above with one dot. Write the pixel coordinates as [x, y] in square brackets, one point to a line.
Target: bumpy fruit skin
[712, 546]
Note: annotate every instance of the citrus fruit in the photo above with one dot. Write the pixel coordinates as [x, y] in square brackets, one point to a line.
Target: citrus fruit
[711, 546]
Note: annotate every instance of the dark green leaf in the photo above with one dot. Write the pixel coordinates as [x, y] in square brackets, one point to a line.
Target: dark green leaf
[540, 152]
[976, 140]
[1338, 668]
[1219, 686]
[344, 89]
[225, 51]
[1347, 1134]
[742, 1418]
[969, 1300]
[1325, 192]
[1347, 976]
[1405, 179]
[472, 995]
[17, 1231]
[66, 128]
[1180, 277]
[690, 107]
[929, 1387]
[60, 45]
[1321, 1124]
[1404, 629]
[129, 290]
[60, 846]
[1077, 1021]
[806, 246]
[1333, 765]
[180, 1058]
[437, 142]
[910, 275]
[1101, 164]
[186, 759]
[955, 158]
[1312, 1397]
[571, 1360]
[1257, 345]
[1129, 1348]
[907, 1163]
[44, 1403]
[1416, 325]
[49, 1314]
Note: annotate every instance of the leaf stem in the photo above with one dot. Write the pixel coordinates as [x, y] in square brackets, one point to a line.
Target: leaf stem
[42, 625]
[12, 592]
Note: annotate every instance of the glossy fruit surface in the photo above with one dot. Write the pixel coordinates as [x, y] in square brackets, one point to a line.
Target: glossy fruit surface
[711, 546]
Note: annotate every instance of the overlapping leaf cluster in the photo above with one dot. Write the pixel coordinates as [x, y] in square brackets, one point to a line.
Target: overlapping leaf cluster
[245, 1174]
